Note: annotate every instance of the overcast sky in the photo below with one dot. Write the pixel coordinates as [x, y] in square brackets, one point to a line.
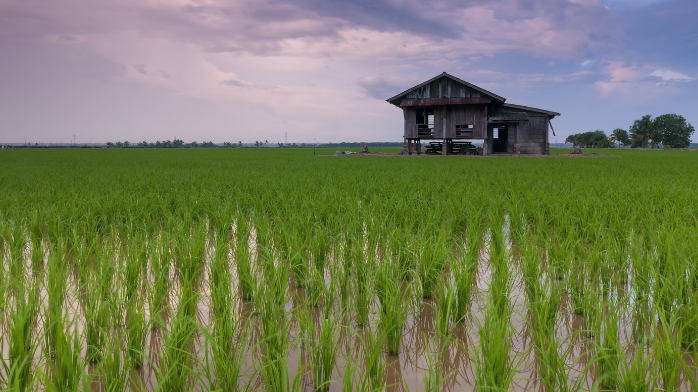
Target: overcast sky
[229, 70]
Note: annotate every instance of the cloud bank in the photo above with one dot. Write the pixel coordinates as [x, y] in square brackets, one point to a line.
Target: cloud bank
[315, 68]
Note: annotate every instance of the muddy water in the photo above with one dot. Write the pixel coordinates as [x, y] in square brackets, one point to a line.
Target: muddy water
[403, 372]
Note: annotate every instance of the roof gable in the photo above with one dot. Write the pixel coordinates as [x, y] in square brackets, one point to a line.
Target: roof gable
[396, 100]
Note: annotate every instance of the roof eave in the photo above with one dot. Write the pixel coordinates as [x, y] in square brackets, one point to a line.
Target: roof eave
[532, 109]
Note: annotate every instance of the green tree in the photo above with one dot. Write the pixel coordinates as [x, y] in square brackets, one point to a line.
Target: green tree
[672, 130]
[640, 132]
[590, 139]
[621, 136]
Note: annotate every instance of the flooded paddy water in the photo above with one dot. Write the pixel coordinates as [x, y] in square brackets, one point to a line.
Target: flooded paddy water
[453, 359]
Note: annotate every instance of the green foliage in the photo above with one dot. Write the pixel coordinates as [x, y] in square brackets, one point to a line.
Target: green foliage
[672, 130]
[591, 139]
[620, 136]
[641, 132]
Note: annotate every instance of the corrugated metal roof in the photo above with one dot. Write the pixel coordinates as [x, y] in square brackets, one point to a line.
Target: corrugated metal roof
[509, 116]
[521, 107]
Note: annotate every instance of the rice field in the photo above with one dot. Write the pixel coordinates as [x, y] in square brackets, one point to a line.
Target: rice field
[274, 270]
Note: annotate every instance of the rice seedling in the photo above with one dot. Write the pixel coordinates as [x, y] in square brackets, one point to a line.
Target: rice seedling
[341, 273]
[372, 342]
[637, 374]
[56, 292]
[297, 258]
[176, 369]
[315, 288]
[137, 332]
[97, 323]
[608, 348]
[363, 291]
[16, 262]
[243, 258]
[228, 338]
[322, 342]
[114, 369]
[433, 378]
[23, 340]
[667, 352]
[274, 346]
[431, 264]
[64, 364]
[543, 309]
[464, 273]
[158, 289]
[393, 305]
[135, 266]
[559, 255]
[445, 305]
[493, 367]
[352, 379]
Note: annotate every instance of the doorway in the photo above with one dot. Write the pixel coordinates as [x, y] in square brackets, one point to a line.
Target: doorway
[500, 135]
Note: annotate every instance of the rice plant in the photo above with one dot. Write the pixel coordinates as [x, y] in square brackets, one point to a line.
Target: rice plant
[322, 342]
[137, 327]
[229, 335]
[372, 341]
[23, 340]
[65, 366]
[493, 365]
[243, 259]
[56, 292]
[393, 305]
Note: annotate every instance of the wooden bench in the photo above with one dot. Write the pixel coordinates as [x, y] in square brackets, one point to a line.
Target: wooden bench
[434, 148]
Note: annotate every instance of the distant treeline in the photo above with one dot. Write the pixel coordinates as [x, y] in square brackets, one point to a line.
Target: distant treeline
[667, 130]
[178, 143]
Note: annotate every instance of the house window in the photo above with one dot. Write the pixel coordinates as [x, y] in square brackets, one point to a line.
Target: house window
[464, 130]
[495, 133]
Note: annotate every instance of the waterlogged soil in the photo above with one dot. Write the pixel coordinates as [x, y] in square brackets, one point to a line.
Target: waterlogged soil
[403, 372]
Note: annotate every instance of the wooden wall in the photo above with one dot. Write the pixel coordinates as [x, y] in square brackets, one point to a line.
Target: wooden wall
[410, 115]
[533, 134]
[446, 118]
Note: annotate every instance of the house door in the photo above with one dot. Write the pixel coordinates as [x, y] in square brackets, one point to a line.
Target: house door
[500, 133]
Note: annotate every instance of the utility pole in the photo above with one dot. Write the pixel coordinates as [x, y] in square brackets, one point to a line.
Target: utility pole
[286, 139]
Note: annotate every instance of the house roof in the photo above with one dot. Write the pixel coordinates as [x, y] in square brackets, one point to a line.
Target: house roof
[444, 74]
[509, 116]
[530, 109]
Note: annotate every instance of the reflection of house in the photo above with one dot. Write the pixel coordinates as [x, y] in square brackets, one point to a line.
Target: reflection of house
[450, 110]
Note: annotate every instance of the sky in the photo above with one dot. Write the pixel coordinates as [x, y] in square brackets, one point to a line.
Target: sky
[304, 70]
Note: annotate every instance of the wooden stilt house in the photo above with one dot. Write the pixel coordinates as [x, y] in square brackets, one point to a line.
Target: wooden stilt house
[451, 113]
